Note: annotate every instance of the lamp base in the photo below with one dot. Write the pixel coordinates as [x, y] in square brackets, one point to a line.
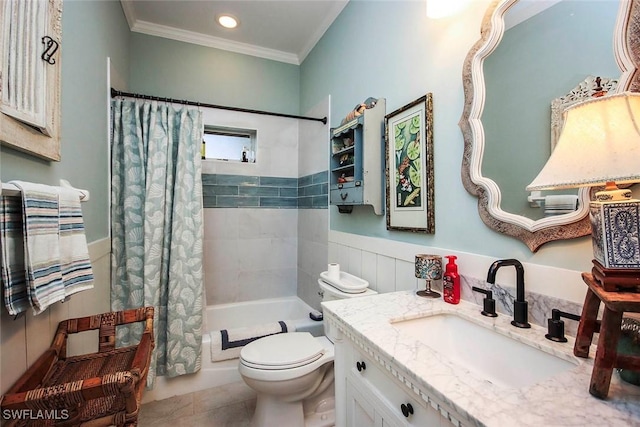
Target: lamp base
[615, 231]
[616, 279]
[428, 294]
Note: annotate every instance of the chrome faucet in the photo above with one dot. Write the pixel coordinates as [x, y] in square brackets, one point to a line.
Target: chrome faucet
[520, 305]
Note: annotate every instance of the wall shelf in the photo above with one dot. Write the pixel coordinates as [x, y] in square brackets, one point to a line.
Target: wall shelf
[356, 161]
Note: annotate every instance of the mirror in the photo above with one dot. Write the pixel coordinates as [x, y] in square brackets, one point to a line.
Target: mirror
[506, 122]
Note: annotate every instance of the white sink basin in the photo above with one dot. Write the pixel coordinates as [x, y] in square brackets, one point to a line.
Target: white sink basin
[492, 356]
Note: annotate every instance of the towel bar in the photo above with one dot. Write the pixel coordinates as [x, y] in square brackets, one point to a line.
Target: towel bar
[12, 190]
[22, 313]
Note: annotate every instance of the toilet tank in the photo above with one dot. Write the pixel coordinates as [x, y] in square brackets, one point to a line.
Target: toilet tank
[329, 293]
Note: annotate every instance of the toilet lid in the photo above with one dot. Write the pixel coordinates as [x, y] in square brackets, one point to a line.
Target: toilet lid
[282, 351]
[347, 283]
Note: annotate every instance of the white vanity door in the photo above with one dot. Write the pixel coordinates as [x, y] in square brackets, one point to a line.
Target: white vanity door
[360, 411]
[364, 409]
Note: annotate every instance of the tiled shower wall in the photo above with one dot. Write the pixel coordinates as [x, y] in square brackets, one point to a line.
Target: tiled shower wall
[313, 215]
[264, 223]
[249, 254]
[252, 234]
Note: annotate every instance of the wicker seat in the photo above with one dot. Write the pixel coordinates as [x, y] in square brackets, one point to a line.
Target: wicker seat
[97, 389]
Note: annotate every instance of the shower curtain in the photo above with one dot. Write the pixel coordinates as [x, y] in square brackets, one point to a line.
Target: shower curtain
[157, 228]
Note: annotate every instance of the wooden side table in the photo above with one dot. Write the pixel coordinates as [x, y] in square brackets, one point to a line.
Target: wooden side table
[616, 303]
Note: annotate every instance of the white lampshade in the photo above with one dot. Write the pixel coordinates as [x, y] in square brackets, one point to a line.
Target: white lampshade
[599, 143]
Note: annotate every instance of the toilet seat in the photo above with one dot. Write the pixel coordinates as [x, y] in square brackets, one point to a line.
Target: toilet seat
[282, 351]
[309, 353]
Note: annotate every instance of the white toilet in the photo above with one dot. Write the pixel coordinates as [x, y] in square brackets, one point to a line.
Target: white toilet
[292, 373]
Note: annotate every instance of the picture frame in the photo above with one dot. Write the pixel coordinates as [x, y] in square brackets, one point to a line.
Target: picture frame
[409, 167]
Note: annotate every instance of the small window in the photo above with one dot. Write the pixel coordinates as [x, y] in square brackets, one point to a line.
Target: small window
[229, 144]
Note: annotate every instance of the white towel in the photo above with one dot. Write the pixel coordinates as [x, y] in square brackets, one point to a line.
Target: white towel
[41, 244]
[559, 204]
[77, 274]
[56, 255]
[227, 343]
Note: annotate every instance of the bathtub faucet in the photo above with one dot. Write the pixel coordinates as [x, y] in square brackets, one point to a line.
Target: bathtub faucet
[520, 305]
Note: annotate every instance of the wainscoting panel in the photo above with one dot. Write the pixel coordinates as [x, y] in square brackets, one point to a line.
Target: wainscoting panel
[23, 340]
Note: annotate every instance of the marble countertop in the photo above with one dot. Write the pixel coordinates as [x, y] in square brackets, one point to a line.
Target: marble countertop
[562, 400]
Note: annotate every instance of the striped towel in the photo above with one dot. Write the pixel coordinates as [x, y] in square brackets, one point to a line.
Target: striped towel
[227, 343]
[42, 244]
[77, 274]
[16, 297]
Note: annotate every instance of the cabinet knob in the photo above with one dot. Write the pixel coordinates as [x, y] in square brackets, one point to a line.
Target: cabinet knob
[407, 409]
[344, 196]
[361, 366]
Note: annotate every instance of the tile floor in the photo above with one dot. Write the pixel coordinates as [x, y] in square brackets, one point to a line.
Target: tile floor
[230, 405]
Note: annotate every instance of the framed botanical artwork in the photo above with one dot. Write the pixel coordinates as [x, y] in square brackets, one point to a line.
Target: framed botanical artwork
[409, 167]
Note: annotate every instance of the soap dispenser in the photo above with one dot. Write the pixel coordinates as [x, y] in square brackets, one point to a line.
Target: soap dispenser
[451, 281]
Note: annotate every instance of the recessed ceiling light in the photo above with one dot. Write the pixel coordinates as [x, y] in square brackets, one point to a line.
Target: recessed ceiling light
[228, 21]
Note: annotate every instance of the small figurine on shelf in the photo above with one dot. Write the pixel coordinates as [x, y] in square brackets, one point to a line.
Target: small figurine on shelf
[337, 146]
[245, 159]
[358, 110]
[342, 179]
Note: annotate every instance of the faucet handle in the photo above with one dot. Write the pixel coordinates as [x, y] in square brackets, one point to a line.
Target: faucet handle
[488, 303]
[555, 326]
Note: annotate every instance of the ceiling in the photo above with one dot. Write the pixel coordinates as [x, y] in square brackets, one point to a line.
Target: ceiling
[280, 30]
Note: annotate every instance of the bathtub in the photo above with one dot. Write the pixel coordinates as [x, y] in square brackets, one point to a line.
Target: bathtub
[229, 316]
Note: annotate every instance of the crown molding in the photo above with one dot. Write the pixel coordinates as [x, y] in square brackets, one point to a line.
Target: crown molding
[524, 10]
[215, 42]
[129, 12]
[172, 33]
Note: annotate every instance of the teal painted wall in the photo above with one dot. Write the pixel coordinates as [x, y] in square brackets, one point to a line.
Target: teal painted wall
[391, 49]
[384, 49]
[173, 69]
[91, 32]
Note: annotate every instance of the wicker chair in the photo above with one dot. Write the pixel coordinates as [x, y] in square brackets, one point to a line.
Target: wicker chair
[96, 389]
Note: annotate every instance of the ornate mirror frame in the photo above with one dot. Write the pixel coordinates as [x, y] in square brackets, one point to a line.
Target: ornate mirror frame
[532, 233]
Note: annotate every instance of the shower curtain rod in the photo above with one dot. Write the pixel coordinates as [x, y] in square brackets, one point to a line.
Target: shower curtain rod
[115, 92]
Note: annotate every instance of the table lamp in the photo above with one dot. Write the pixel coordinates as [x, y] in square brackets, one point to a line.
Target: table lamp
[428, 267]
[599, 145]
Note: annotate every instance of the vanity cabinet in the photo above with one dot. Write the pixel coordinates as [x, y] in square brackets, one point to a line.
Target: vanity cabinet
[371, 396]
[356, 161]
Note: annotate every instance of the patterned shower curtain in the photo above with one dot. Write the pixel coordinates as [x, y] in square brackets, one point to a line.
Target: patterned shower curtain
[156, 227]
